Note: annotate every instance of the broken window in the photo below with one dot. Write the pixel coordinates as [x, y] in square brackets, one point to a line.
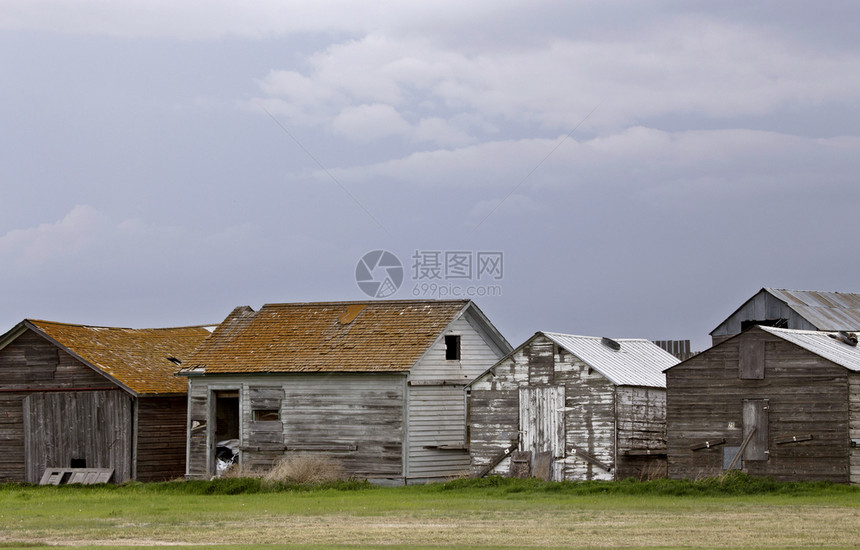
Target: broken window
[266, 415]
[777, 323]
[452, 347]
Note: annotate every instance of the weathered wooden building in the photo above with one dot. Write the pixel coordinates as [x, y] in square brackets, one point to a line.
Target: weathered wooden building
[377, 386]
[793, 309]
[770, 401]
[566, 407]
[85, 397]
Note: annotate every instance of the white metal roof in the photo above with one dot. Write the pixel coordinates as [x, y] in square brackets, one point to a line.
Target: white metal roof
[637, 362]
[823, 344]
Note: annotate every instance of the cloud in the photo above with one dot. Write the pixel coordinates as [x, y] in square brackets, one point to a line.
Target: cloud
[684, 66]
[212, 19]
[31, 247]
[369, 123]
[91, 267]
[87, 240]
[653, 164]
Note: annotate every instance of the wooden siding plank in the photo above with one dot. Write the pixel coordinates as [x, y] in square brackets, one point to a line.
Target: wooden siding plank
[161, 438]
[807, 395]
[321, 414]
[437, 432]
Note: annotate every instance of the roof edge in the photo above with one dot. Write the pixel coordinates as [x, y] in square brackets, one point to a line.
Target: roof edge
[53, 341]
[506, 357]
[750, 299]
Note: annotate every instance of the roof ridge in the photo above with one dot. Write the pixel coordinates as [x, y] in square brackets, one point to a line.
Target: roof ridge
[79, 325]
[371, 301]
[596, 337]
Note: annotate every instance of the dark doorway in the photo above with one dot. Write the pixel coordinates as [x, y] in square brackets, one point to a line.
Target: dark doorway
[227, 423]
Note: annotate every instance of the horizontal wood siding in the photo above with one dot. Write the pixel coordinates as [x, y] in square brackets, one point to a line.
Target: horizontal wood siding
[94, 426]
[12, 437]
[475, 357]
[161, 423]
[641, 425]
[356, 419]
[263, 441]
[806, 395]
[437, 417]
[341, 410]
[32, 364]
[854, 424]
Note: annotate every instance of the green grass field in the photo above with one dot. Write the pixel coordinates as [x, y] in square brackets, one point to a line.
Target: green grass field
[735, 513]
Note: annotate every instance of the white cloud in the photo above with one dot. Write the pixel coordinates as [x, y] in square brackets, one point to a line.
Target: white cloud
[211, 19]
[656, 165]
[682, 67]
[441, 132]
[369, 122]
[28, 248]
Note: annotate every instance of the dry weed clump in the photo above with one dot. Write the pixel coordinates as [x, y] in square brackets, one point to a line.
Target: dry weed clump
[305, 469]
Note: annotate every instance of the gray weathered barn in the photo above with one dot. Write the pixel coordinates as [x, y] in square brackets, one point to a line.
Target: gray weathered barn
[378, 386]
[568, 407]
[85, 397]
[793, 309]
[770, 401]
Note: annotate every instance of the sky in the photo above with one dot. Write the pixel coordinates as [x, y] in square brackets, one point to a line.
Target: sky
[629, 169]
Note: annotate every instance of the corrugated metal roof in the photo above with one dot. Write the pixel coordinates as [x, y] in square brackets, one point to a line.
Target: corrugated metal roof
[823, 344]
[825, 310]
[637, 362]
[136, 358]
[374, 336]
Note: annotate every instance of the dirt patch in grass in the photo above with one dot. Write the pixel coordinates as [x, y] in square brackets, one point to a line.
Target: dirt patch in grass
[741, 526]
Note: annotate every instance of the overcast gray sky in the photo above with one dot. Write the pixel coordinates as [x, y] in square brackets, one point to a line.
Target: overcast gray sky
[644, 167]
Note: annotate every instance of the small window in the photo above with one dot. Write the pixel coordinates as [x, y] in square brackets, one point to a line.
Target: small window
[452, 347]
[266, 415]
[78, 463]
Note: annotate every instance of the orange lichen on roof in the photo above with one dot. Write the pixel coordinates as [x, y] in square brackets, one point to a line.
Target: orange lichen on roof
[378, 336]
[136, 358]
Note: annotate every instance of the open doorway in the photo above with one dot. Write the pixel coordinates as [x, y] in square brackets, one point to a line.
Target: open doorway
[226, 433]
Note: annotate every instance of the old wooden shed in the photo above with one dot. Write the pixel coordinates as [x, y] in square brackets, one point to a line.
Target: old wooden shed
[85, 397]
[772, 402]
[793, 309]
[567, 407]
[378, 386]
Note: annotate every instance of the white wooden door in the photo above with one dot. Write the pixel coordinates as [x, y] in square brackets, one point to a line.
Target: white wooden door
[542, 428]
